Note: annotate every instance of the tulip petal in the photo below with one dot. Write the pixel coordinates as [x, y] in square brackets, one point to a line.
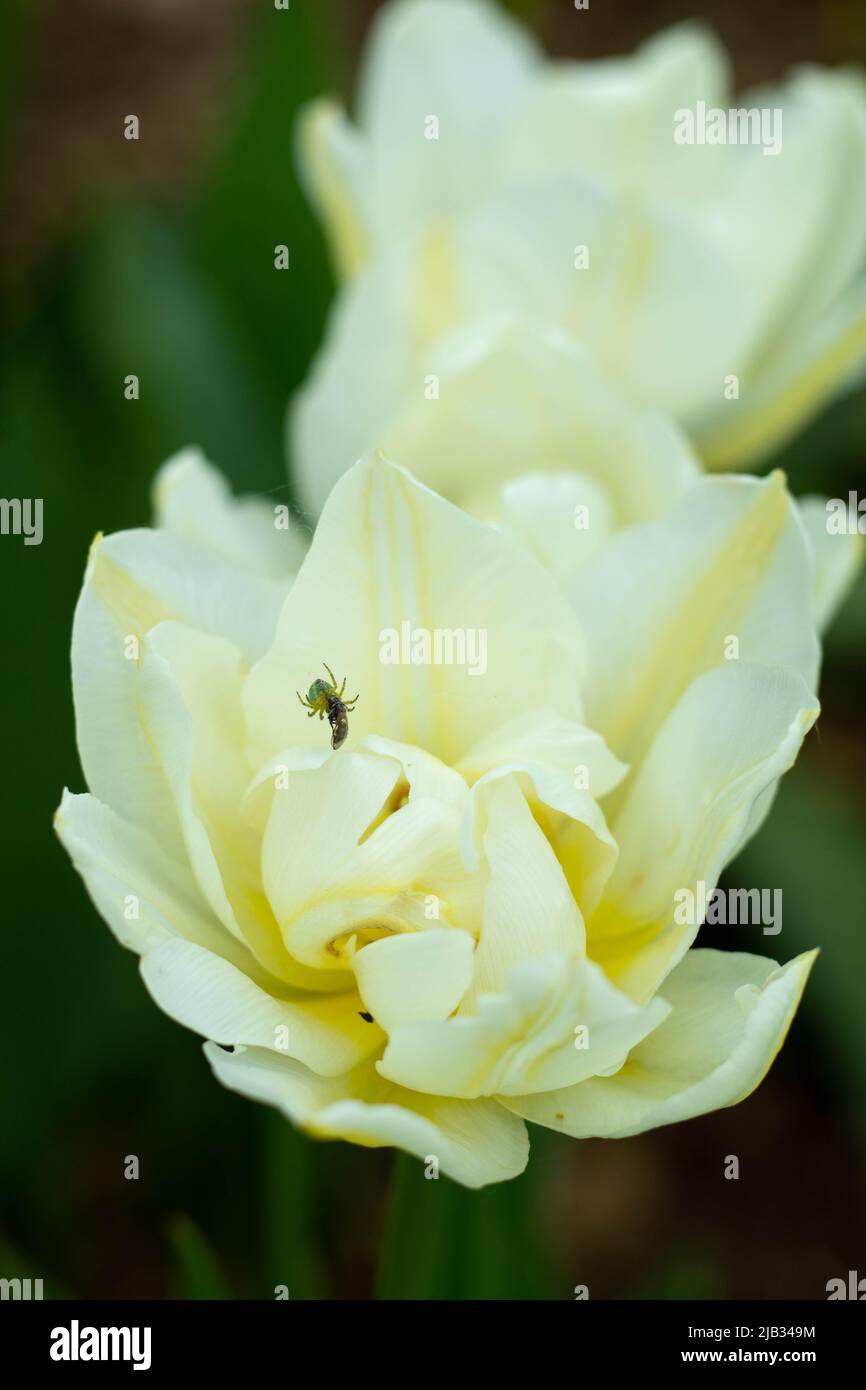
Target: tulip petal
[729, 1016]
[334, 164]
[515, 396]
[197, 989]
[475, 1142]
[649, 279]
[562, 768]
[805, 373]
[189, 701]
[497, 378]
[836, 559]
[529, 910]
[543, 743]
[698, 795]
[463, 412]
[555, 1023]
[661, 602]
[614, 117]
[464, 64]
[143, 893]
[799, 265]
[388, 558]
[421, 975]
[351, 396]
[349, 855]
[193, 500]
[134, 580]
[561, 518]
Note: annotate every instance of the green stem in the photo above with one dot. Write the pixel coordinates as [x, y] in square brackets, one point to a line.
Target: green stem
[443, 1241]
[292, 1230]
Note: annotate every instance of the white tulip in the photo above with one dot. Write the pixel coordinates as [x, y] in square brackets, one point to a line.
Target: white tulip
[484, 197]
[465, 917]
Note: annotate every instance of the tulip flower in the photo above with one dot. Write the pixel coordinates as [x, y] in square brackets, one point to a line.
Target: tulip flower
[484, 199]
[465, 917]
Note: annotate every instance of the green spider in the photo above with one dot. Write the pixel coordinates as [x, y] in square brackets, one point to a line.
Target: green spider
[323, 698]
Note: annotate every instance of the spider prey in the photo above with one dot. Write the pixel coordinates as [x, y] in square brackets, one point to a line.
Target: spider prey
[323, 698]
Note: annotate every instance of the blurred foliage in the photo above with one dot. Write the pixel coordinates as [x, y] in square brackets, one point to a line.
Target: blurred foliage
[182, 291]
[198, 1275]
[183, 295]
[812, 847]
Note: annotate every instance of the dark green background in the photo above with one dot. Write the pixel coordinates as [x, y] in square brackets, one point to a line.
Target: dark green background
[157, 258]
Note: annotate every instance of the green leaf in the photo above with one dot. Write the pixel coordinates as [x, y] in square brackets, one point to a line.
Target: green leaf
[198, 1274]
[250, 201]
[141, 307]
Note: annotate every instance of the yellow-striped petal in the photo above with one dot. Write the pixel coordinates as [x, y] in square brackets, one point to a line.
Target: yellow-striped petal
[729, 1016]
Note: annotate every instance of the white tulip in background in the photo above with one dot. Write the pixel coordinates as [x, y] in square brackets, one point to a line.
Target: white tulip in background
[458, 202]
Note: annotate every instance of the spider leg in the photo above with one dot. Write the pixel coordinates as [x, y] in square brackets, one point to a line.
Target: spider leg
[304, 702]
[342, 688]
[350, 704]
[311, 714]
[331, 674]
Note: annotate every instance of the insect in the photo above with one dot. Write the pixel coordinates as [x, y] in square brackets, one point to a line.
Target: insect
[323, 698]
